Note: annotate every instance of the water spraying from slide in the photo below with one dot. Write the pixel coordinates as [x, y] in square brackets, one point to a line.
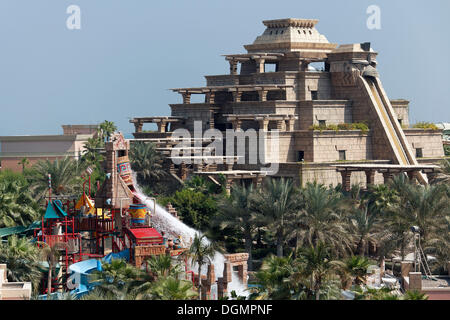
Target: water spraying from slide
[173, 227]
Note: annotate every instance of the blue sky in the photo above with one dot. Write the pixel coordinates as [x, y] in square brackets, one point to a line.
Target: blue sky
[129, 52]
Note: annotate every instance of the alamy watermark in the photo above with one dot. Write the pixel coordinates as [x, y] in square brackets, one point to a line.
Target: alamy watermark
[374, 20]
[73, 22]
[250, 147]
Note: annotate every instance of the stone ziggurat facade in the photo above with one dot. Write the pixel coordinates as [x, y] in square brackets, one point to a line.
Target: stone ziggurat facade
[277, 88]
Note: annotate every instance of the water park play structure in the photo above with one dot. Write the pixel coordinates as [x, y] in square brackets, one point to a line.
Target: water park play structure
[121, 223]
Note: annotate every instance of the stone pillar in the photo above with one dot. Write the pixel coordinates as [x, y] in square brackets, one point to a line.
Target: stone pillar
[236, 124]
[260, 65]
[242, 272]
[415, 281]
[346, 175]
[264, 124]
[290, 124]
[227, 270]
[228, 184]
[138, 126]
[210, 97]
[431, 176]
[412, 175]
[281, 125]
[206, 290]
[162, 125]
[186, 97]
[262, 95]
[222, 288]
[370, 177]
[387, 176]
[233, 66]
[210, 275]
[183, 171]
[237, 95]
[257, 181]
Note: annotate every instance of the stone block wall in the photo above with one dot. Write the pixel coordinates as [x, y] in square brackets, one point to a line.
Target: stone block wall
[401, 109]
[430, 141]
[327, 144]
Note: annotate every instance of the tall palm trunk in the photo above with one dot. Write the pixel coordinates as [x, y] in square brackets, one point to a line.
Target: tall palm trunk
[248, 249]
[199, 289]
[279, 244]
[49, 280]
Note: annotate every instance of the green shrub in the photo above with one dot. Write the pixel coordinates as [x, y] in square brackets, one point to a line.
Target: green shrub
[425, 125]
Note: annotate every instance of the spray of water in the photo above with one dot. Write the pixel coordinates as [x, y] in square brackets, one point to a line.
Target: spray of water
[163, 221]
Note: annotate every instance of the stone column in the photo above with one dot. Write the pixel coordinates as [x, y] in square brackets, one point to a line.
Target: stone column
[431, 175]
[387, 176]
[222, 287]
[228, 184]
[236, 124]
[183, 171]
[233, 66]
[257, 181]
[210, 97]
[412, 175]
[162, 125]
[138, 126]
[290, 124]
[242, 272]
[262, 95]
[227, 270]
[186, 97]
[260, 65]
[346, 175]
[370, 177]
[237, 95]
[281, 125]
[264, 124]
[415, 281]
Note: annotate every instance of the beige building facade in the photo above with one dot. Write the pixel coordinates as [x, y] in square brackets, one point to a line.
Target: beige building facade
[311, 92]
[44, 147]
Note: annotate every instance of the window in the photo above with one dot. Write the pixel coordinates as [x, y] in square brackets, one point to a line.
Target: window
[322, 123]
[121, 153]
[270, 67]
[419, 153]
[314, 95]
[400, 121]
[342, 155]
[300, 155]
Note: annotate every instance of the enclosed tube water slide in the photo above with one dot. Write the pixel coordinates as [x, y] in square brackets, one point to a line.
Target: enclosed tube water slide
[403, 154]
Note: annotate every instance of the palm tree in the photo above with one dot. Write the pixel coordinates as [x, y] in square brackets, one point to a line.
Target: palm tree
[23, 162]
[146, 162]
[22, 258]
[91, 154]
[17, 207]
[64, 176]
[355, 268]
[422, 206]
[236, 212]
[366, 227]
[317, 264]
[170, 288]
[275, 203]
[116, 275]
[51, 254]
[275, 279]
[162, 266]
[443, 175]
[321, 219]
[201, 252]
[107, 128]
